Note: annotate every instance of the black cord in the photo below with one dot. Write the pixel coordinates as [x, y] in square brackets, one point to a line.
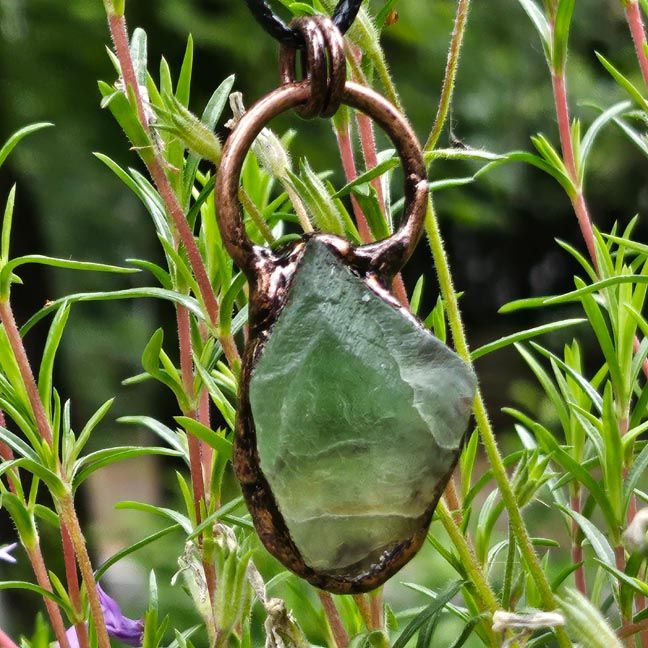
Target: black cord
[343, 16]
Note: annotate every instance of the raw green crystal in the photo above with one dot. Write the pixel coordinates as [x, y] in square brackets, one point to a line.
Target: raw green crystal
[359, 412]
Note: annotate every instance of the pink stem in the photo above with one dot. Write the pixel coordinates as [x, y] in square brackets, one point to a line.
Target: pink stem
[635, 22]
[186, 368]
[368, 143]
[155, 166]
[42, 578]
[340, 634]
[18, 348]
[72, 578]
[343, 136]
[6, 641]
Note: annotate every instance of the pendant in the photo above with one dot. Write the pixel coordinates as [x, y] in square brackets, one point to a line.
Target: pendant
[351, 414]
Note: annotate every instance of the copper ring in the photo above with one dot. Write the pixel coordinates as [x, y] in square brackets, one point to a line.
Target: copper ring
[323, 62]
[384, 257]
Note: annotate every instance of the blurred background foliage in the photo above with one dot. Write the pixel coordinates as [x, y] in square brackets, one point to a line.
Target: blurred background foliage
[500, 230]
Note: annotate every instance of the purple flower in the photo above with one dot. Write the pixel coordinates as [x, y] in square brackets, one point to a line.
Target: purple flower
[128, 631]
[5, 553]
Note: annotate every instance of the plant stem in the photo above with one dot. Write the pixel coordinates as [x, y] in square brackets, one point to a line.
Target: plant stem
[18, 348]
[468, 558]
[559, 84]
[481, 416]
[186, 369]
[343, 136]
[155, 166]
[577, 547]
[256, 216]
[365, 610]
[508, 573]
[340, 635]
[72, 578]
[376, 599]
[635, 23]
[452, 64]
[42, 578]
[6, 641]
[69, 518]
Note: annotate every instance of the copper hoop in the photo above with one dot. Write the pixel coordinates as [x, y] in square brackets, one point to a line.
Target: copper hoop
[384, 257]
[324, 64]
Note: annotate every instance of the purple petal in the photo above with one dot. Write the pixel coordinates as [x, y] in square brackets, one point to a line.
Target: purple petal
[5, 553]
[128, 631]
[72, 638]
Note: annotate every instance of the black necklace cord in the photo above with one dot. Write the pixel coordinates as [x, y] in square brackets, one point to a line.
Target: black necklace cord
[343, 16]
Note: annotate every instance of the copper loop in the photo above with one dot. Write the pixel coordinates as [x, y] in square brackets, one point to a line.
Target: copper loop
[323, 63]
[383, 257]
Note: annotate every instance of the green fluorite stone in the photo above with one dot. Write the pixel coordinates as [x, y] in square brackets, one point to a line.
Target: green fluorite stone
[359, 413]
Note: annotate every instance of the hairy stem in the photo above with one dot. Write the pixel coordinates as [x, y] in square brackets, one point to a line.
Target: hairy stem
[69, 518]
[468, 558]
[452, 64]
[376, 599]
[155, 166]
[365, 610]
[72, 579]
[42, 578]
[343, 136]
[481, 417]
[508, 572]
[340, 635]
[18, 348]
[635, 23]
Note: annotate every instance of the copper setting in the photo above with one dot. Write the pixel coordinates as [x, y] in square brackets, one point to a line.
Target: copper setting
[270, 273]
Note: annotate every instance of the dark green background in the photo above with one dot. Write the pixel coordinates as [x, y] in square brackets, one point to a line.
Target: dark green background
[500, 231]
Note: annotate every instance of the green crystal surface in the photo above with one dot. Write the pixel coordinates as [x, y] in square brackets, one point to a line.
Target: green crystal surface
[359, 412]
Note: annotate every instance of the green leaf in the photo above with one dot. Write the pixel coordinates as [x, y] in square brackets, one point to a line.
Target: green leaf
[556, 172]
[147, 195]
[561, 34]
[625, 83]
[540, 23]
[223, 513]
[524, 335]
[22, 518]
[6, 225]
[92, 462]
[638, 470]
[210, 118]
[66, 264]
[49, 354]
[126, 116]
[462, 154]
[183, 88]
[131, 293]
[89, 427]
[635, 584]
[19, 135]
[37, 589]
[127, 551]
[597, 125]
[428, 613]
[161, 430]
[597, 540]
[205, 434]
[585, 623]
[170, 514]
[368, 176]
[138, 52]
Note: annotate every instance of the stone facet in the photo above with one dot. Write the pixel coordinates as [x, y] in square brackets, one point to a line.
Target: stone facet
[359, 412]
